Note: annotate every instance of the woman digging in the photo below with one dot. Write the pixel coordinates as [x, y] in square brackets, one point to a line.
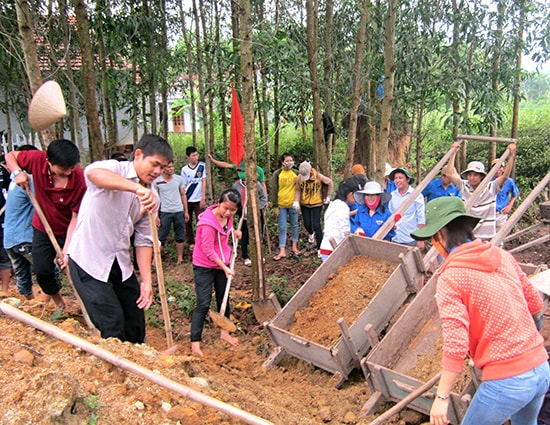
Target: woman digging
[211, 258]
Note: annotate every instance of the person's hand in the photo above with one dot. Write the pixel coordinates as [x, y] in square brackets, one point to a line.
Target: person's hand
[202, 204]
[455, 145]
[22, 180]
[63, 261]
[186, 217]
[228, 272]
[438, 413]
[359, 232]
[238, 234]
[512, 148]
[146, 198]
[145, 296]
[296, 205]
[276, 212]
[157, 220]
[327, 200]
[506, 210]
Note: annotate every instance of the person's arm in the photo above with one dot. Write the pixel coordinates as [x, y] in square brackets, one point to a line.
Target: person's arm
[184, 201]
[328, 181]
[509, 206]
[107, 179]
[144, 257]
[203, 193]
[21, 179]
[508, 169]
[218, 163]
[440, 406]
[72, 224]
[450, 170]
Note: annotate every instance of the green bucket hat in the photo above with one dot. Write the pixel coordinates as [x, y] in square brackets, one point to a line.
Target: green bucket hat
[440, 212]
[403, 170]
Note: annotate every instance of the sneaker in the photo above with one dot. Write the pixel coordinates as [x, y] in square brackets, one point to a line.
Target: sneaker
[311, 238]
[247, 262]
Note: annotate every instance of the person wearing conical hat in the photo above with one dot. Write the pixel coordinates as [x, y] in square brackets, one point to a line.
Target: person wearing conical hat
[488, 310]
[469, 180]
[59, 187]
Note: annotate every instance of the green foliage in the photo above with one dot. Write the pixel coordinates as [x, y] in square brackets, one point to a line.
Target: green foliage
[279, 288]
[182, 296]
[93, 404]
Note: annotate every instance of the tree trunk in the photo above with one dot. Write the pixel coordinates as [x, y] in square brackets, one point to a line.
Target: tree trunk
[24, 22]
[92, 118]
[517, 86]
[166, 57]
[247, 70]
[329, 138]
[357, 77]
[320, 151]
[387, 102]
[208, 63]
[202, 102]
[190, 80]
[495, 77]
[150, 72]
[74, 115]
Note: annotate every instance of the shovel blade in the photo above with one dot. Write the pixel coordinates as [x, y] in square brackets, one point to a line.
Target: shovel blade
[222, 322]
[264, 311]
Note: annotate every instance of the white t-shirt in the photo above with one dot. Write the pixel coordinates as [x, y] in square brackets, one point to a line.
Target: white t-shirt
[192, 179]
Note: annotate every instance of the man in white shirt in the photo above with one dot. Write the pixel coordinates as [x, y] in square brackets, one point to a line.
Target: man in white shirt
[114, 207]
[194, 178]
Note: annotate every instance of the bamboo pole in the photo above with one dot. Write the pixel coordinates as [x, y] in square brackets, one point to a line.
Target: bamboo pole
[160, 281]
[125, 364]
[59, 253]
[485, 138]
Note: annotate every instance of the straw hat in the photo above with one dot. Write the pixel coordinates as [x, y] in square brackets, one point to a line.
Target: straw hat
[47, 106]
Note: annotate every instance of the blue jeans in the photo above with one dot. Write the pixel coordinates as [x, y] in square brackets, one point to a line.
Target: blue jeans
[21, 261]
[282, 219]
[519, 398]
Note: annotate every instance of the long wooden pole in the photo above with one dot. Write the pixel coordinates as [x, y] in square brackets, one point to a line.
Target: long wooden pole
[406, 400]
[160, 280]
[130, 366]
[59, 253]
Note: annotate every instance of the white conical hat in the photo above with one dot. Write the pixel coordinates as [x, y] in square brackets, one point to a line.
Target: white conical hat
[47, 106]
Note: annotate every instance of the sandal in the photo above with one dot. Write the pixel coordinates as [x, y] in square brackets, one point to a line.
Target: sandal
[278, 257]
[248, 262]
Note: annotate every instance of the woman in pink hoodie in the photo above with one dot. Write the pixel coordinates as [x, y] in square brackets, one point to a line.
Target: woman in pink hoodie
[211, 258]
[486, 304]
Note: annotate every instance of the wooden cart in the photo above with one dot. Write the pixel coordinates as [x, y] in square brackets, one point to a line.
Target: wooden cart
[356, 340]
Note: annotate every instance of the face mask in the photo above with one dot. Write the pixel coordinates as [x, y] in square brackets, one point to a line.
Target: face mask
[372, 205]
[288, 165]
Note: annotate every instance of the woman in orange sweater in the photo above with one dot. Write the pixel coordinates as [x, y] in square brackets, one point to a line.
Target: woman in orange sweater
[486, 305]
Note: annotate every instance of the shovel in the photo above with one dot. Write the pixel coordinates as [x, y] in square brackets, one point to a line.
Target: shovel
[160, 281]
[219, 319]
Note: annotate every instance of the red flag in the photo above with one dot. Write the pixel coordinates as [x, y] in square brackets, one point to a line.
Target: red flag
[236, 132]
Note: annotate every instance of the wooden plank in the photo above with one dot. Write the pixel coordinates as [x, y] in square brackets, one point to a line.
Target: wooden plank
[531, 244]
[522, 232]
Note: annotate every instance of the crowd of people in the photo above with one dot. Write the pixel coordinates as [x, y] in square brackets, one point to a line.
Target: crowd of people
[486, 303]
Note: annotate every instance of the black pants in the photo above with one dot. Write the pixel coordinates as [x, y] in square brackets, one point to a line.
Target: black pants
[111, 305]
[312, 222]
[195, 209]
[43, 257]
[205, 279]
